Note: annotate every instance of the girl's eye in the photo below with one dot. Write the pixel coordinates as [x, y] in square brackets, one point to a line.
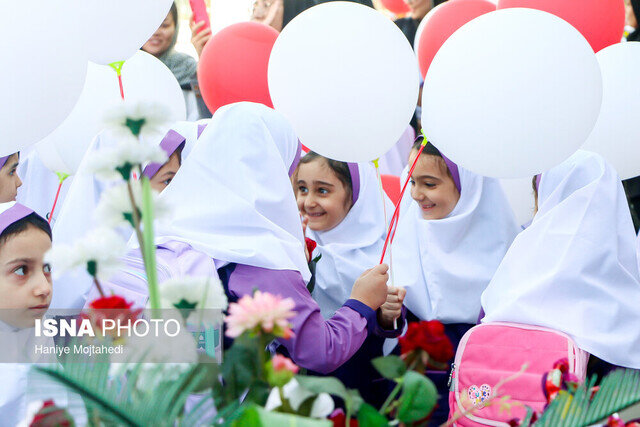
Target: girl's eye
[412, 182]
[47, 269]
[302, 189]
[323, 191]
[21, 271]
[429, 185]
[167, 181]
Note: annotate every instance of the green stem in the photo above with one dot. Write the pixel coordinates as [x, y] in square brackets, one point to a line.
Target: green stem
[261, 358]
[392, 396]
[149, 247]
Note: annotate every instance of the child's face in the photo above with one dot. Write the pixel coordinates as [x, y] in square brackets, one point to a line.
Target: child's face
[9, 179]
[165, 174]
[25, 280]
[321, 196]
[432, 187]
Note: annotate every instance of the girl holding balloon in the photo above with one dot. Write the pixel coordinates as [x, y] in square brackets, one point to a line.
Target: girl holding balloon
[344, 208]
[454, 229]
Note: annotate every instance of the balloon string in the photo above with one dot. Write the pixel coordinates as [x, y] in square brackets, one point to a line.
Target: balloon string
[393, 226]
[376, 163]
[61, 177]
[121, 87]
[117, 67]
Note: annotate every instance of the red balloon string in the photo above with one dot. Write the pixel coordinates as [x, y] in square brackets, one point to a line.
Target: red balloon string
[393, 225]
[121, 87]
[55, 202]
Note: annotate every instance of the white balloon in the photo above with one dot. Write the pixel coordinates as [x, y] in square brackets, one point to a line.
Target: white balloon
[616, 135]
[43, 67]
[346, 78]
[116, 29]
[145, 79]
[512, 93]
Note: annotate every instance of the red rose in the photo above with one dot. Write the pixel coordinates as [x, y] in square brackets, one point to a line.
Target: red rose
[51, 415]
[311, 245]
[114, 302]
[339, 419]
[430, 337]
[114, 308]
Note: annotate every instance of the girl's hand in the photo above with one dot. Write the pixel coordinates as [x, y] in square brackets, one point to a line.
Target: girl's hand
[371, 287]
[199, 39]
[392, 308]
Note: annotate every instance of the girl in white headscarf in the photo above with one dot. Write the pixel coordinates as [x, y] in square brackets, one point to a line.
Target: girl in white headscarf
[454, 229]
[344, 210]
[76, 217]
[234, 216]
[574, 269]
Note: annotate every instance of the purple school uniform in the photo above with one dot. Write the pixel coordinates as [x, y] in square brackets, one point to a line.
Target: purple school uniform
[320, 345]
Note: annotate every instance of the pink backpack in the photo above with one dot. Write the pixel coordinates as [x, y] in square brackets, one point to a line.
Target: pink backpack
[491, 352]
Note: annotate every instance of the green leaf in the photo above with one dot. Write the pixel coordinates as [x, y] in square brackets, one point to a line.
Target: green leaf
[135, 125]
[368, 416]
[618, 390]
[390, 367]
[255, 416]
[419, 397]
[119, 402]
[239, 367]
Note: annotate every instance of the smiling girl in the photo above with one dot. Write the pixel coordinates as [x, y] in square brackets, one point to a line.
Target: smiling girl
[454, 229]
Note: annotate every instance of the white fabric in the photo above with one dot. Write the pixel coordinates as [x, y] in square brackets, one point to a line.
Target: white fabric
[352, 246]
[233, 199]
[574, 268]
[39, 186]
[75, 218]
[445, 264]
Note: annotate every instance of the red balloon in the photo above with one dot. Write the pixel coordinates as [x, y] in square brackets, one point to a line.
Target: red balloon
[391, 185]
[397, 7]
[233, 65]
[445, 20]
[601, 22]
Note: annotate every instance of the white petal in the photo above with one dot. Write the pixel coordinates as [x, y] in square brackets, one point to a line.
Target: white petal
[322, 407]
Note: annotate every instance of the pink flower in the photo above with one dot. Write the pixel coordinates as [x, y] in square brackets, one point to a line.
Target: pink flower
[281, 363]
[260, 312]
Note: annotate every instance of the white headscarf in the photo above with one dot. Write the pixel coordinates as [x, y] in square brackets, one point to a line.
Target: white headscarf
[574, 269]
[445, 264]
[75, 218]
[232, 199]
[354, 245]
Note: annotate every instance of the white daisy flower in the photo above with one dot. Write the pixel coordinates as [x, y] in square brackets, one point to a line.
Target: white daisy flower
[138, 119]
[321, 408]
[115, 209]
[116, 163]
[195, 293]
[99, 252]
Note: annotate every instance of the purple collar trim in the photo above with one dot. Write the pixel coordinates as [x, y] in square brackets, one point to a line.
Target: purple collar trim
[296, 160]
[201, 129]
[355, 181]
[170, 143]
[455, 173]
[13, 214]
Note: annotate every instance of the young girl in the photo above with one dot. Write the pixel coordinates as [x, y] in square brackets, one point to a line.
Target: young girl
[235, 217]
[25, 294]
[574, 269]
[345, 213]
[76, 214]
[454, 229]
[9, 179]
